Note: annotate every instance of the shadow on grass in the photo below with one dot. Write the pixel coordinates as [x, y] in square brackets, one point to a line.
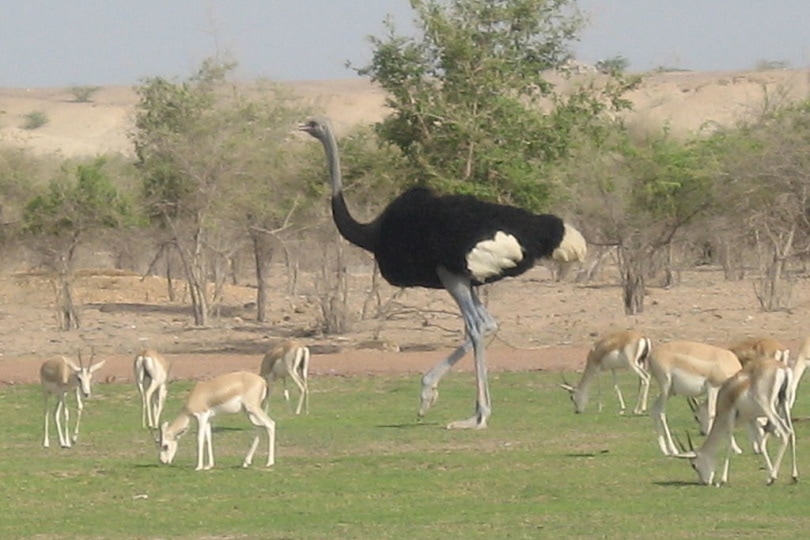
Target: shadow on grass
[587, 454]
[408, 425]
[678, 483]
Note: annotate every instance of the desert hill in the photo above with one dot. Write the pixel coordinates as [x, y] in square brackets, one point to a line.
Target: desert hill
[685, 101]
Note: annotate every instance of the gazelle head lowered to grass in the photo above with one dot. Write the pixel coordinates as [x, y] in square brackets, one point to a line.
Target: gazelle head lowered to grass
[626, 349]
[763, 389]
[226, 394]
[167, 443]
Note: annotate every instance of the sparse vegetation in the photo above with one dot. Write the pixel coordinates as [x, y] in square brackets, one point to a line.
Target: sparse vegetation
[615, 65]
[34, 120]
[82, 94]
[766, 65]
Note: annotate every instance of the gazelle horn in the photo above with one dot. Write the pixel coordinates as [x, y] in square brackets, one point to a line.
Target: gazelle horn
[565, 385]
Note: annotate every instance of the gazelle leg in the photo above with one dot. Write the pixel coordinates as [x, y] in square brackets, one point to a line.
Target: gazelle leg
[144, 402]
[79, 410]
[618, 391]
[658, 413]
[161, 401]
[46, 443]
[61, 413]
[643, 390]
[258, 418]
[202, 426]
[301, 389]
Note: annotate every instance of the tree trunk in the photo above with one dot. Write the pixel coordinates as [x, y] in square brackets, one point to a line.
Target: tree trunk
[632, 271]
[263, 254]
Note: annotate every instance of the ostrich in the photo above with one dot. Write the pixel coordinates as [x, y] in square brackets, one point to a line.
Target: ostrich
[452, 242]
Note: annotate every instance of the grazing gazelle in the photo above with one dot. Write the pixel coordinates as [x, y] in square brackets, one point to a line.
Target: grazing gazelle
[151, 376]
[58, 377]
[761, 349]
[227, 394]
[626, 349]
[288, 359]
[689, 369]
[757, 348]
[763, 389]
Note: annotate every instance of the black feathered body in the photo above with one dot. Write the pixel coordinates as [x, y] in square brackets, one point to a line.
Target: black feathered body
[420, 231]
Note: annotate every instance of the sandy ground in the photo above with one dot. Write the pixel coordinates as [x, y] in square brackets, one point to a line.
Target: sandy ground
[545, 325]
[687, 102]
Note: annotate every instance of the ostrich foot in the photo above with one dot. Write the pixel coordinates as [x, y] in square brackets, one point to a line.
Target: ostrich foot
[430, 394]
[476, 422]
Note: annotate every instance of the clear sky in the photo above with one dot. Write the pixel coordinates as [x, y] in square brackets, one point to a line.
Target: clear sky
[50, 43]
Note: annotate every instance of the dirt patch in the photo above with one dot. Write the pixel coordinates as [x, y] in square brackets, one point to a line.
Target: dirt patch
[545, 325]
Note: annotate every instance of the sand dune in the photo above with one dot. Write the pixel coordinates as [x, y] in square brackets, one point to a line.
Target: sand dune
[688, 102]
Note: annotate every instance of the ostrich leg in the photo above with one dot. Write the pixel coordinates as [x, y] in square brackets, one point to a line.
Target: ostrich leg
[478, 322]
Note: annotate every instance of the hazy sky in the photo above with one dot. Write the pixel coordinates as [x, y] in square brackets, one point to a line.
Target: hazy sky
[54, 43]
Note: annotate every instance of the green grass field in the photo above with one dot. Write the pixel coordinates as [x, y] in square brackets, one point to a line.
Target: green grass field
[359, 466]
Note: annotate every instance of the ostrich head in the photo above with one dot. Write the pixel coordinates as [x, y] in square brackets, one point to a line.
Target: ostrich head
[320, 128]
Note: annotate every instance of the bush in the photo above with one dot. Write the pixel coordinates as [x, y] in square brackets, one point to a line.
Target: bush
[82, 94]
[35, 119]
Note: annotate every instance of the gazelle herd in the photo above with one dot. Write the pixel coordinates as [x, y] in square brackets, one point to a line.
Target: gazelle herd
[229, 393]
[752, 382]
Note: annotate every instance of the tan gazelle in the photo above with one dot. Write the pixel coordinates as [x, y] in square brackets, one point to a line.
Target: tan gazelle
[625, 349]
[289, 359]
[226, 394]
[763, 389]
[151, 378]
[58, 377]
[689, 369]
[757, 348]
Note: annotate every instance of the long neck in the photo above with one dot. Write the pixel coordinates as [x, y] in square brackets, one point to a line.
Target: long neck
[359, 234]
[178, 425]
[720, 432]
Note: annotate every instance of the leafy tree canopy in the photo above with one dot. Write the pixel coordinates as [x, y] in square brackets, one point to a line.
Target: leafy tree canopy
[474, 110]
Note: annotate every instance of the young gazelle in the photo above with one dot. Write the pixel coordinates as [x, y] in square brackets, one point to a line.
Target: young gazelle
[288, 359]
[689, 369]
[764, 388]
[752, 349]
[626, 349]
[229, 393]
[151, 377]
[58, 377]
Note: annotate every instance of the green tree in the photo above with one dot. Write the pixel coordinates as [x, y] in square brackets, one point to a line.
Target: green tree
[474, 108]
[766, 194]
[638, 196]
[77, 204]
[19, 173]
[213, 166]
